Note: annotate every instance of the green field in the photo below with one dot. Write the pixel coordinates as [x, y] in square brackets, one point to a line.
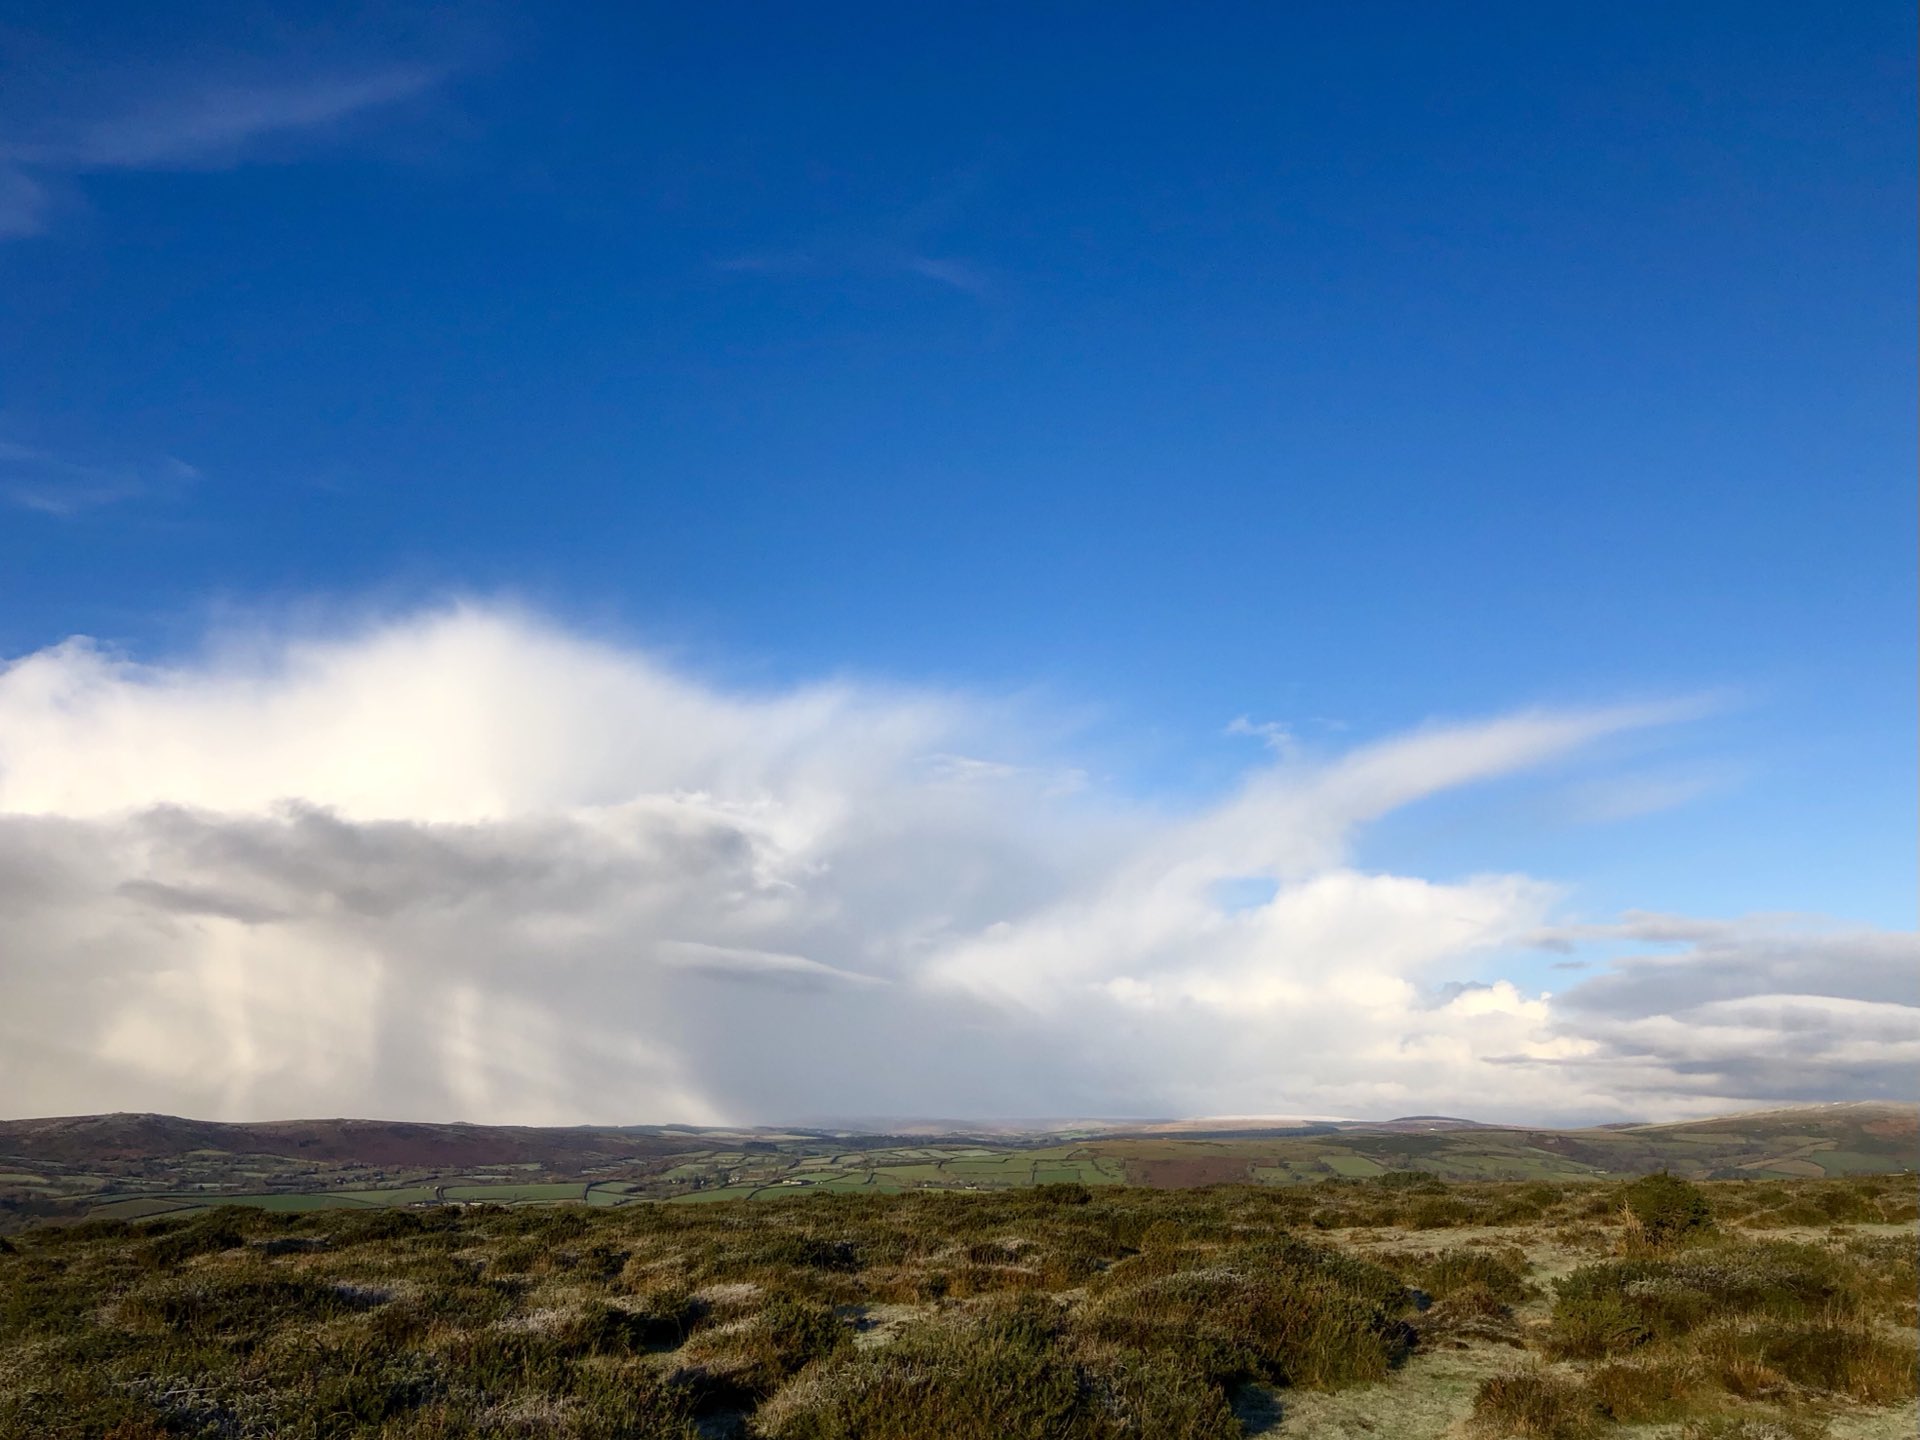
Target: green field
[532, 1194]
[399, 1195]
[138, 1207]
[913, 1172]
[725, 1192]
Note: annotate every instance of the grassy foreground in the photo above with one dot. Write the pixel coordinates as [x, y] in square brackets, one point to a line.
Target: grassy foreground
[1399, 1305]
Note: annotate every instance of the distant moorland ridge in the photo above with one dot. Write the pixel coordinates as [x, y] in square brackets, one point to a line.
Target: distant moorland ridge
[130, 1166]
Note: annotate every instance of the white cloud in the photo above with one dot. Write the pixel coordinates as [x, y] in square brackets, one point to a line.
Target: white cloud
[468, 864]
[183, 120]
[1628, 797]
[23, 203]
[61, 486]
[212, 125]
[897, 244]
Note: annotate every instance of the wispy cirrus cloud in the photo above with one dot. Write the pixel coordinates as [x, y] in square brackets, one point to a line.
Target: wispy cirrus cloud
[1630, 796]
[215, 125]
[180, 117]
[902, 245]
[64, 487]
[960, 275]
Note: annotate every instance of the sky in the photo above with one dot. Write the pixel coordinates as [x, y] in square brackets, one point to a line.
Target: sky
[739, 564]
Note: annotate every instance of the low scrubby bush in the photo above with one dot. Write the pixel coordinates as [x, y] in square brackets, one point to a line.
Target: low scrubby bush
[1502, 1275]
[1637, 1392]
[1622, 1304]
[747, 1360]
[1664, 1210]
[1826, 1353]
[1008, 1371]
[242, 1305]
[1532, 1405]
[1437, 1212]
[1279, 1310]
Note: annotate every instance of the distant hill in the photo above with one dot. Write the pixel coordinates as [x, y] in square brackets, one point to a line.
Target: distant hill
[1437, 1121]
[130, 1166]
[106, 1141]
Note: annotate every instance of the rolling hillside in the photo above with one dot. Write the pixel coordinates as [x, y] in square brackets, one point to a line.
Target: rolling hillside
[129, 1166]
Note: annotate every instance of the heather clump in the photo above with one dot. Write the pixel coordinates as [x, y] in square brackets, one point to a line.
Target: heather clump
[1071, 1312]
[1663, 1210]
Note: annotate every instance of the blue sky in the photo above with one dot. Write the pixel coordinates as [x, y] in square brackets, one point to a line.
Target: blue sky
[1339, 367]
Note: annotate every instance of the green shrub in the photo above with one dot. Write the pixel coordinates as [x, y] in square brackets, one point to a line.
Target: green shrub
[660, 1323]
[1410, 1180]
[1618, 1305]
[746, 1361]
[1667, 1209]
[241, 1306]
[1280, 1310]
[1514, 1210]
[1070, 1192]
[342, 1389]
[1827, 1353]
[1002, 1375]
[217, 1231]
[1501, 1275]
[1638, 1392]
[1437, 1213]
[1007, 1372]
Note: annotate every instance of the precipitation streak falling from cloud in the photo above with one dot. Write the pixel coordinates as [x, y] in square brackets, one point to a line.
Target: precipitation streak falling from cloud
[465, 863]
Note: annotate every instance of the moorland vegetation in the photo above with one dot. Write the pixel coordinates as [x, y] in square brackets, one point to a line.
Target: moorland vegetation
[1058, 1312]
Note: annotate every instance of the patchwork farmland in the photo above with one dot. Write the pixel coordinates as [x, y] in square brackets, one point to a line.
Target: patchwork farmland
[141, 1167]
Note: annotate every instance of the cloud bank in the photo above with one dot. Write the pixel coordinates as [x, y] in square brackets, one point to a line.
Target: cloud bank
[468, 865]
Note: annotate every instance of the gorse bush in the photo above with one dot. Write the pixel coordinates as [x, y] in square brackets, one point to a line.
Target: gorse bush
[1667, 1210]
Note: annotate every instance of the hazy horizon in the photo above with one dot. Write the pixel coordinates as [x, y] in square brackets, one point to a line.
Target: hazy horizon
[883, 1125]
[593, 566]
